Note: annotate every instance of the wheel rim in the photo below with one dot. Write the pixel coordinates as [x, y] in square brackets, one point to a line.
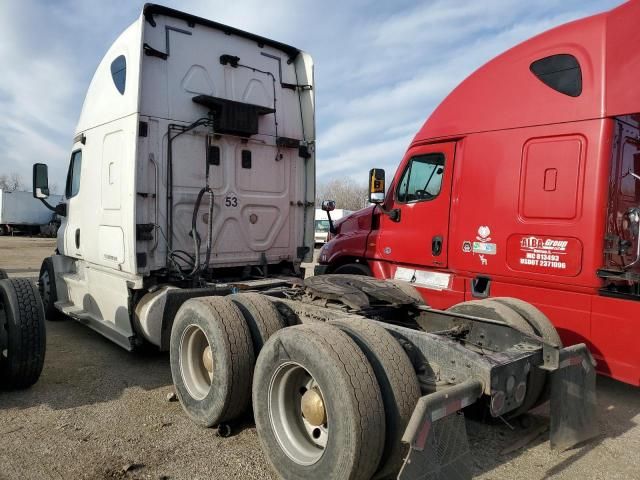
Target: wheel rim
[45, 288]
[196, 362]
[298, 414]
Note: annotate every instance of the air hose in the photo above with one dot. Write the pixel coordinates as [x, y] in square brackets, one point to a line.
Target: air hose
[194, 223]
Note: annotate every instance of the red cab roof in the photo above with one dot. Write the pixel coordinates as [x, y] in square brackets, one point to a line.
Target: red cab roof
[504, 93]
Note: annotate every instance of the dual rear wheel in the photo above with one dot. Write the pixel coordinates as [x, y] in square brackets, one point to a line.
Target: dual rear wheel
[330, 400]
[213, 348]
[317, 405]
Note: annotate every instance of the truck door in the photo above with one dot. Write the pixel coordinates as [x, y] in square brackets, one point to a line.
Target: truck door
[72, 232]
[421, 194]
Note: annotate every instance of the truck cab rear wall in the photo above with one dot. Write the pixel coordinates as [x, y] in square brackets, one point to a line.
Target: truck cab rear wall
[194, 154]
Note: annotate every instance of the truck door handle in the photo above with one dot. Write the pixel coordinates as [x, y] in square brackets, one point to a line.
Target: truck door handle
[436, 245]
[77, 238]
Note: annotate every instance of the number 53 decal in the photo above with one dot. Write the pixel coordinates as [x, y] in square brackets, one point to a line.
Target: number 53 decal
[231, 201]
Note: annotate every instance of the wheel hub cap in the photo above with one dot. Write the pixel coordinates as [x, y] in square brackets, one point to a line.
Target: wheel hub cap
[312, 407]
[207, 359]
[298, 413]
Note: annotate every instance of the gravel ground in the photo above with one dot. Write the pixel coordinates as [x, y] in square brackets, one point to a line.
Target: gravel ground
[22, 256]
[101, 412]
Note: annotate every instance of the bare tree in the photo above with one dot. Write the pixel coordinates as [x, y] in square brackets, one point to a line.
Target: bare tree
[16, 182]
[346, 192]
[11, 182]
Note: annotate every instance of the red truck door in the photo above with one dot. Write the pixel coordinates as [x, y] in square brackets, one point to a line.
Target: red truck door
[422, 195]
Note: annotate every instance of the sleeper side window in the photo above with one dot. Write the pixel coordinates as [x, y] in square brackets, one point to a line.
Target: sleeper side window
[561, 72]
[119, 73]
[422, 179]
[73, 177]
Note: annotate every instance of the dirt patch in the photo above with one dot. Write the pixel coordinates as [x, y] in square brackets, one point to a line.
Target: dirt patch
[101, 412]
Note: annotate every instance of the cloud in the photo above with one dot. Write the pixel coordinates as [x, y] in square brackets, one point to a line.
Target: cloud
[47, 70]
[381, 67]
[416, 57]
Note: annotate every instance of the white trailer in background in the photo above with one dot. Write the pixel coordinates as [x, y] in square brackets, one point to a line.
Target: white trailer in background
[20, 211]
[322, 223]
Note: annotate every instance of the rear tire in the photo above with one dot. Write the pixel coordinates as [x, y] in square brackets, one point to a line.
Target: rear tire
[492, 310]
[398, 385]
[261, 315]
[542, 327]
[342, 437]
[22, 334]
[540, 323]
[354, 269]
[48, 292]
[495, 310]
[212, 360]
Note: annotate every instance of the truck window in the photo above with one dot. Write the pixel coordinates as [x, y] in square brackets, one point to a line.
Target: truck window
[73, 177]
[119, 73]
[422, 178]
[561, 72]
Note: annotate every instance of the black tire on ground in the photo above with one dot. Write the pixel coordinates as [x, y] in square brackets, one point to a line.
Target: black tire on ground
[354, 269]
[540, 323]
[22, 334]
[408, 289]
[3, 275]
[494, 310]
[217, 323]
[487, 308]
[398, 385]
[261, 315]
[48, 292]
[335, 368]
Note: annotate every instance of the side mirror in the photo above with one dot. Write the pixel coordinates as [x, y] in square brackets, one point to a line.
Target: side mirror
[376, 185]
[40, 181]
[328, 205]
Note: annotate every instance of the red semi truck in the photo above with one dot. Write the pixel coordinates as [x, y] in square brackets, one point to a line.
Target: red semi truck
[524, 182]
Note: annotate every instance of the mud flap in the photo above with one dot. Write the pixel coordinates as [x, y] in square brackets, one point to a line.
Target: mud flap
[437, 436]
[573, 398]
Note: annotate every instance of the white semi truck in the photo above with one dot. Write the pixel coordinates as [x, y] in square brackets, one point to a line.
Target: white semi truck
[190, 207]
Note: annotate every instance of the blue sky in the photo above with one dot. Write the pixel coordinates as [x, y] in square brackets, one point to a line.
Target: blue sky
[381, 67]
